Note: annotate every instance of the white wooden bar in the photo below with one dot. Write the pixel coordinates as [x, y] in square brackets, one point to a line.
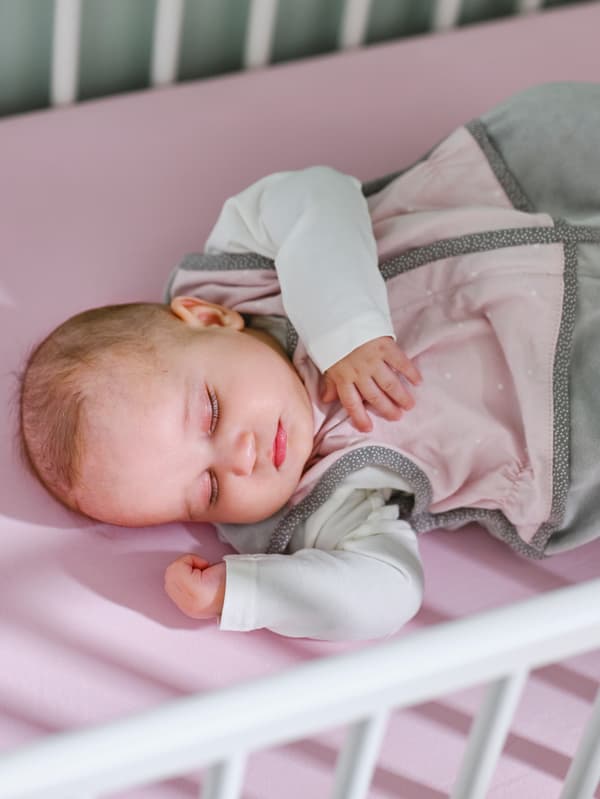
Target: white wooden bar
[487, 737]
[584, 774]
[65, 52]
[259, 33]
[353, 24]
[527, 6]
[358, 758]
[166, 42]
[224, 780]
[446, 14]
[273, 710]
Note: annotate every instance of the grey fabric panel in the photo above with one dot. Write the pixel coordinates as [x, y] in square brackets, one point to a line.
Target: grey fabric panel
[549, 137]
[582, 513]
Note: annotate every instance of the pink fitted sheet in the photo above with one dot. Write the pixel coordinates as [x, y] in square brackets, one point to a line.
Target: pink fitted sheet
[97, 203]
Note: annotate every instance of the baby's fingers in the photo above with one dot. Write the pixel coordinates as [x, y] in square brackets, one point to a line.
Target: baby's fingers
[391, 393]
[328, 390]
[403, 364]
[353, 403]
[194, 562]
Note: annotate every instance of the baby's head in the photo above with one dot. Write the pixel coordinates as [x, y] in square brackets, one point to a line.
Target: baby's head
[144, 413]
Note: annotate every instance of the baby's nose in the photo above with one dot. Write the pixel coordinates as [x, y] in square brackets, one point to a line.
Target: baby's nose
[244, 454]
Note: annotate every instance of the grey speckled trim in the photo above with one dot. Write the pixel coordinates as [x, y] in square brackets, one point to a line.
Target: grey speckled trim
[561, 422]
[227, 262]
[472, 243]
[371, 455]
[506, 179]
[221, 262]
[447, 248]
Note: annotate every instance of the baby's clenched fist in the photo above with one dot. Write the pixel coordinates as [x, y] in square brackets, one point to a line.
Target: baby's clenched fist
[196, 587]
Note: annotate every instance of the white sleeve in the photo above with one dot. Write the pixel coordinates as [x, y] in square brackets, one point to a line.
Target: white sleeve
[315, 224]
[368, 586]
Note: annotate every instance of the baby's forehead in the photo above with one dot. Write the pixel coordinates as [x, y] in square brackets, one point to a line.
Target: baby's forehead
[165, 358]
[119, 373]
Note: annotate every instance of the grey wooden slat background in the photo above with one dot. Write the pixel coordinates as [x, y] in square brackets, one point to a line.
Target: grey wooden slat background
[116, 39]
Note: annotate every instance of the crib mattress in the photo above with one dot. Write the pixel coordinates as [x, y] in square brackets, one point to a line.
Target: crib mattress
[97, 203]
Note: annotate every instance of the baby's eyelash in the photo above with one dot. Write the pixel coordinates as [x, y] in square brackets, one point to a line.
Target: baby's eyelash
[215, 410]
[214, 494]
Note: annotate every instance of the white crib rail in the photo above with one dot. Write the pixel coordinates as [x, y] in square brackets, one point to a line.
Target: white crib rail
[353, 24]
[220, 729]
[65, 52]
[168, 21]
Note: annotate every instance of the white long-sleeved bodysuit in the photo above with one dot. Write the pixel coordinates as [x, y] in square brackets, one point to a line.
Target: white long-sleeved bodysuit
[353, 571]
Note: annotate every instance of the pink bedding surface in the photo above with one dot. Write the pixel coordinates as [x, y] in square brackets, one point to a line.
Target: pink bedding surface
[97, 203]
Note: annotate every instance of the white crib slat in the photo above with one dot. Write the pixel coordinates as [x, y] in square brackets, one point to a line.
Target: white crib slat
[353, 25]
[357, 759]
[259, 33]
[487, 737]
[65, 52]
[584, 773]
[526, 6]
[168, 19]
[446, 14]
[224, 779]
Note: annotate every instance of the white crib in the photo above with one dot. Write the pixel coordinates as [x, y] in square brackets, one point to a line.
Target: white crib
[499, 647]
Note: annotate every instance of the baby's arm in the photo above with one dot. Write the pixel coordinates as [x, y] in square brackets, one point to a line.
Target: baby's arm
[315, 224]
[367, 586]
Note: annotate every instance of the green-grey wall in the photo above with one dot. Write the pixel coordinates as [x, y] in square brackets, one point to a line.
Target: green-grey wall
[116, 39]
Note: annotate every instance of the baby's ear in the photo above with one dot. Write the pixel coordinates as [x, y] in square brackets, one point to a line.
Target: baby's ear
[198, 313]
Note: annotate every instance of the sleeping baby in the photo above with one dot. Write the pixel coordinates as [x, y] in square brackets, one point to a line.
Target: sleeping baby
[347, 366]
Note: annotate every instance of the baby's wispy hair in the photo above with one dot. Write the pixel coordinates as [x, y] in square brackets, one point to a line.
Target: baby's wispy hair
[59, 378]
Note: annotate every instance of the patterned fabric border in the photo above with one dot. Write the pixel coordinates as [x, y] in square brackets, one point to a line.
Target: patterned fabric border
[351, 462]
[505, 177]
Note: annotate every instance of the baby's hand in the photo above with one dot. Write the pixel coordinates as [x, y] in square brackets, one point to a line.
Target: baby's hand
[370, 373]
[196, 587]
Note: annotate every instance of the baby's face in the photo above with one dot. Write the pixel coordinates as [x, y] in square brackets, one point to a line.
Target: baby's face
[156, 451]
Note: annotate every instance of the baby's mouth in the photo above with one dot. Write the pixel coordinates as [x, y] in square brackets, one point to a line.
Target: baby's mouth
[279, 446]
